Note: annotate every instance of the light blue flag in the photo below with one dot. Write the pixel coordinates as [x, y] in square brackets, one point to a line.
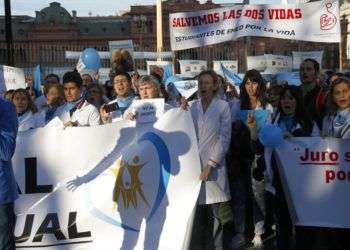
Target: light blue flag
[261, 116]
[37, 80]
[230, 76]
[168, 71]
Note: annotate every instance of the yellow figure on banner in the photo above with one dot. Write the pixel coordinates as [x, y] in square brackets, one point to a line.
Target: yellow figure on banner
[128, 183]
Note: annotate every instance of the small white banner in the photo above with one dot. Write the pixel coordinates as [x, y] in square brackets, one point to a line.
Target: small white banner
[316, 22]
[192, 66]
[230, 65]
[299, 57]
[11, 78]
[277, 64]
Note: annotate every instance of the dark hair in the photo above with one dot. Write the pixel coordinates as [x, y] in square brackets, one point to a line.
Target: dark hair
[115, 74]
[332, 107]
[52, 75]
[254, 76]
[300, 113]
[10, 93]
[314, 62]
[31, 105]
[73, 76]
[53, 85]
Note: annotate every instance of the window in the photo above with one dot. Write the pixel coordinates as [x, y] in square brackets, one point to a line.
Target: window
[104, 29]
[2, 31]
[122, 29]
[21, 32]
[86, 30]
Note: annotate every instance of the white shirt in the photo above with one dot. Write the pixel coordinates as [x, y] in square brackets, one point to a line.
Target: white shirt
[86, 115]
[213, 129]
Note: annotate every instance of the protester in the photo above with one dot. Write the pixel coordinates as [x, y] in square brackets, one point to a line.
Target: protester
[95, 95]
[337, 122]
[252, 99]
[292, 119]
[55, 98]
[87, 80]
[125, 95]
[148, 88]
[314, 95]
[77, 111]
[25, 109]
[229, 93]
[8, 186]
[122, 61]
[212, 120]
[40, 101]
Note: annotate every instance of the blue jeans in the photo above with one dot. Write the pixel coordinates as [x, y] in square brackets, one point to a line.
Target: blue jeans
[7, 226]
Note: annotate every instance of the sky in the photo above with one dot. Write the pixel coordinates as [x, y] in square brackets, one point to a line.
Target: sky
[84, 7]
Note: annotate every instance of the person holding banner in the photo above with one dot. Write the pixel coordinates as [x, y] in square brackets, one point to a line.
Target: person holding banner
[25, 109]
[337, 122]
[115, 109]
[41, 101]
[292, 119]
[212, 120]
[77, 111]
[8, 186]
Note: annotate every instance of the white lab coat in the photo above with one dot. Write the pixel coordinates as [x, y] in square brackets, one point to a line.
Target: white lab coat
[26, 121]
[86, 115]
[213, 129]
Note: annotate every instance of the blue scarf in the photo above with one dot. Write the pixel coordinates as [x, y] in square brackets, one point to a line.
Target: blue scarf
[124, 103]
[286, 123]
[70, 105]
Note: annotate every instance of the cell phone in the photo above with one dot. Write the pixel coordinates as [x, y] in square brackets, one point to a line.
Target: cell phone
[111, 107]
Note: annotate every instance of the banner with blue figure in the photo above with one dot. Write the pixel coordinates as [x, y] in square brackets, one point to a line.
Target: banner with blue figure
[117, 186]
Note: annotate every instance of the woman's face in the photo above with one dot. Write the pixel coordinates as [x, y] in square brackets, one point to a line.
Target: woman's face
[20, 101]
[206, 87]
[288, 103]
[251, 88]
[54, 97]
[341, 95]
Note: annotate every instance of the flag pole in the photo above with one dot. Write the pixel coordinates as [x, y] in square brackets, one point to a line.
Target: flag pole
[159, 29]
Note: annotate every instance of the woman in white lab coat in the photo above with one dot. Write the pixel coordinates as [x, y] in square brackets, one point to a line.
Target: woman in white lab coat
[25, 109]
[212, 121]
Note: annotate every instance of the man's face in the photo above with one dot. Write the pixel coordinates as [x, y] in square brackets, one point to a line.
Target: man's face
[121, 85]
[71, 91]
[307, 73]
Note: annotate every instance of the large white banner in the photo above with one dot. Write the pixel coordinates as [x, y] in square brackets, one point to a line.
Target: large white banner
[316, 175]
[300, 56]
[114, 186]
[317, 22]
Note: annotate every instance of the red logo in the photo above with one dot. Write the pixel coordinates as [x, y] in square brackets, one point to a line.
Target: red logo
[328, 20]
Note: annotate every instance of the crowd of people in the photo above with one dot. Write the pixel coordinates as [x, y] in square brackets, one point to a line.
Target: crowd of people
[241, 199]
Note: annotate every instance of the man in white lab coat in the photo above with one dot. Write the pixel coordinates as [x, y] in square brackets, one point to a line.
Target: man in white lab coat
[77, 111]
